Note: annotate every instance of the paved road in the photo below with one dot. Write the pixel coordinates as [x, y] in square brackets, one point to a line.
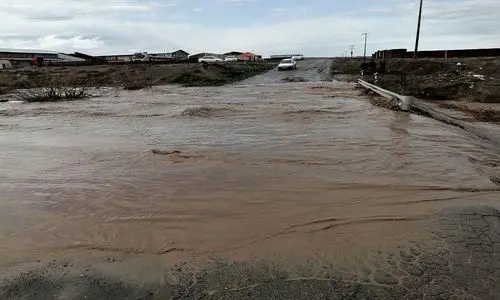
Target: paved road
[307, 70]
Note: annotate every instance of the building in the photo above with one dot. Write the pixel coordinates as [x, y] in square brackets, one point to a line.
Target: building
[23, 57]
[249, 56]
[200, 55]
[280, 56]
[115, 58]
[180, 54]
[233, 53]
[70, 58]
[5, 64]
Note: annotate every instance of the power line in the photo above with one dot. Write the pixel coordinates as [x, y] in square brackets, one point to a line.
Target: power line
[418, 30]
[366, 37]
[352, 49]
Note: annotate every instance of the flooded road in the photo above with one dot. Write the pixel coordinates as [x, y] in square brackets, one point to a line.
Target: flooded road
[295, 171]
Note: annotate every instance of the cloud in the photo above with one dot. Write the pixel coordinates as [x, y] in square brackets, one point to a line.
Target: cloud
[116, 26]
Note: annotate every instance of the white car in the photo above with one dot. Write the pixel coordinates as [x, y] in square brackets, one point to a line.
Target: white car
[230, 58]
[297, 57]
[287, 64]
[209, 59]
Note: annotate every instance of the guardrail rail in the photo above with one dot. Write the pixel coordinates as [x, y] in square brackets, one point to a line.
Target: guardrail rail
[404, 102]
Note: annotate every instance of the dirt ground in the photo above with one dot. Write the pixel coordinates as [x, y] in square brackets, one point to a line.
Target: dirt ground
[145, 75]
[473, 87]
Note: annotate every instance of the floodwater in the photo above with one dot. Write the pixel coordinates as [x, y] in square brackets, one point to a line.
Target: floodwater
[294, 170]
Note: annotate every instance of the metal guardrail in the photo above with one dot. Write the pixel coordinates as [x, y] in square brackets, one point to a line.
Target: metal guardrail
[404, 102]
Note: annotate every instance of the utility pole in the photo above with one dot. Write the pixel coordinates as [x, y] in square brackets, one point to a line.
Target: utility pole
[366, 36]
[418, 30]
[352, 49]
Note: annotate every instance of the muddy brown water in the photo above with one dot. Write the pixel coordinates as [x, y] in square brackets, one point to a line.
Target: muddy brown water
[297, 171]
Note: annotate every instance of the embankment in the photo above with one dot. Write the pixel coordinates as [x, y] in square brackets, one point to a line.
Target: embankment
[469, 85]
[147, 75]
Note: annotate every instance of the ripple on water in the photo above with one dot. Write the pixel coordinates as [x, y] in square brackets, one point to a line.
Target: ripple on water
[229, 175]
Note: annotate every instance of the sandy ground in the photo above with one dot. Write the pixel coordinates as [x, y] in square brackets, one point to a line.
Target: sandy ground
[265, 189]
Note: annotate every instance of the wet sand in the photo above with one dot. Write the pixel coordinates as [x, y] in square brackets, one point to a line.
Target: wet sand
[293, 174]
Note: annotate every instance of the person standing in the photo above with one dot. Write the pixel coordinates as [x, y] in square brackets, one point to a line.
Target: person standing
[372, 68]
[363, 68]
[383, 66]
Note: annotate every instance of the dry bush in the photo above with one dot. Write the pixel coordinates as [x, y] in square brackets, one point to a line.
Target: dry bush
[53, 94]
[59, 90]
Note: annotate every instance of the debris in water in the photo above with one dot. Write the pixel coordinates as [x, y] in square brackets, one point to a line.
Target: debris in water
[495, 180]
[165, 152]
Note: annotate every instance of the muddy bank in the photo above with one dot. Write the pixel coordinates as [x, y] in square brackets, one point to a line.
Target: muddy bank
[132, 76]
[474, 85]
[476, 79]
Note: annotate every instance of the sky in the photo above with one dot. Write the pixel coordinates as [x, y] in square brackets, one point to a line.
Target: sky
[310, 27]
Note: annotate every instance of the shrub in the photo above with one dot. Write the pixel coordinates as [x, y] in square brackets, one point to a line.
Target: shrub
[52, 94]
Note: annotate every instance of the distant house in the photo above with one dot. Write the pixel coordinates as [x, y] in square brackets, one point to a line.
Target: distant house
[280, 56]
[89, 58]
[116, 58]
[70, 58]
[20, 57]
[249, 56]
[200, 55]
[233, 53]
[24, 56]
[180, 54]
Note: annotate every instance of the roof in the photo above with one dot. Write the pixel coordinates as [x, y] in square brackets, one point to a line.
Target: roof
[248, 54]
[233, 53]
[204, 54]
[180, 51]
[8, 50]
[69, 57]
[83, 55]
[114, 55]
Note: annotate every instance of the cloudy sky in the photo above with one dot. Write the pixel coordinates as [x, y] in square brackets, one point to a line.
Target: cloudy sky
[311, 27]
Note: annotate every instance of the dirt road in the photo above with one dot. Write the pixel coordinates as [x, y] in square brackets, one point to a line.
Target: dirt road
[250, 191]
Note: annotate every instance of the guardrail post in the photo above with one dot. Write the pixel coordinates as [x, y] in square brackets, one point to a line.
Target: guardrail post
[404, 102]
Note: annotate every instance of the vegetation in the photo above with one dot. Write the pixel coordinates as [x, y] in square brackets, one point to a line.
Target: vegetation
[220, 74]
[133, 77]
[52, 94]
[136, 79]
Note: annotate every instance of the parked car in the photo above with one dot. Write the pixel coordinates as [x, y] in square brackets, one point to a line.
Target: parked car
[210, 59]
[297, 57]
[230, 58]
[287, 64]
